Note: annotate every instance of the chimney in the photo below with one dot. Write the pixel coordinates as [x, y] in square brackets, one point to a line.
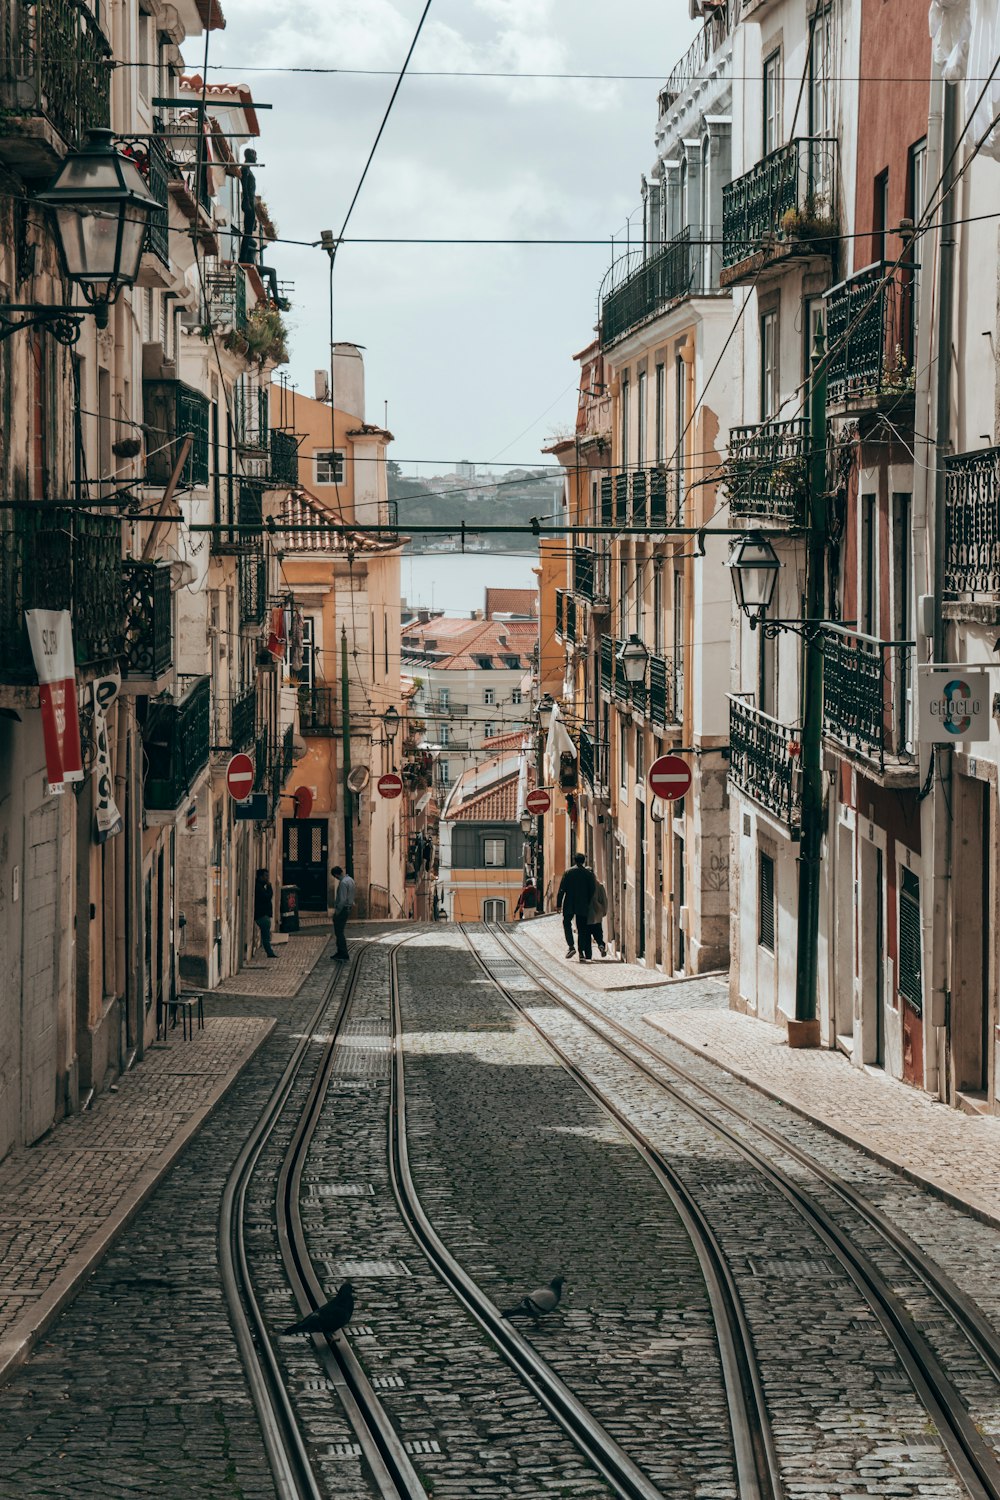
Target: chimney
[321, 385]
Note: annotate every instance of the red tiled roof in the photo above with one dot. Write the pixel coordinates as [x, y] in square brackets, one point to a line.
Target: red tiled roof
[511, 602]
[494, 804]
[300, 508]
[461, 642]
[512, 741]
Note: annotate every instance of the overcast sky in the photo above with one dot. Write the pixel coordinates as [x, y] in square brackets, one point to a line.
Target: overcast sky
[471, 346]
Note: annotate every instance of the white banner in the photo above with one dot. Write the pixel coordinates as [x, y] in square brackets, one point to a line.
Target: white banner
[107, 818]
[50, 632]
[953, 703]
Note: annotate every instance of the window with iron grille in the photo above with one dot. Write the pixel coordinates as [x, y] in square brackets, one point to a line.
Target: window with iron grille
[765, 900]
[911, 985]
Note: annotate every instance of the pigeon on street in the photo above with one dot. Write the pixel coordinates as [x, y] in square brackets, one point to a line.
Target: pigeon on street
[336, 1314]
[544, 1299]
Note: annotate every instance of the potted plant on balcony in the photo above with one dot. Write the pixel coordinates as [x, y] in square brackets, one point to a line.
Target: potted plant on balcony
[267, 336]
[811, 224]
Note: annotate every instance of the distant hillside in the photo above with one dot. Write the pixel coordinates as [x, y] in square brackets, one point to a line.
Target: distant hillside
[511, 499]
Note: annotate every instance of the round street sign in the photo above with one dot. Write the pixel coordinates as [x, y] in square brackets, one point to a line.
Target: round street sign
[538, 801]
[390, 785]
[239, 777]
[303, 801]
[669, 778]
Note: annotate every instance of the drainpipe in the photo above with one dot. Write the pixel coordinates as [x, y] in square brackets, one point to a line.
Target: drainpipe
[935, 822]
[345, 720]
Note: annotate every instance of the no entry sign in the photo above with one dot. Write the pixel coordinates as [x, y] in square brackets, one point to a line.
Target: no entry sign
[239, 777]
[669, 778]
[390, 785]
[538, 801]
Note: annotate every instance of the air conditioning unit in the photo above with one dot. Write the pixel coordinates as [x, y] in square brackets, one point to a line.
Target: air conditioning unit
[321, 385]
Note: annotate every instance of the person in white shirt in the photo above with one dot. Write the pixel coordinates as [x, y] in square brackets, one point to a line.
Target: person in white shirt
[343, 903]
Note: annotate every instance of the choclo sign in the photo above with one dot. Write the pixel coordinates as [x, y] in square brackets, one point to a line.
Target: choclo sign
[953, 703]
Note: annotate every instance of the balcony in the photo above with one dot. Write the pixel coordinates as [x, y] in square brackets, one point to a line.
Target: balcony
[317, 709]
[284, 457]
[870, 338]
[607, 664]
[55, 78]
[588, 759]
[570, 631]
[665, 690]
[560, 614]
[151, 158]
[172, 410]
[866, 693]
[176, 742]
[226, 299]
[622, 686]
[781, 209]
[767, 473]
[148, 651]
[621, 499]
[251, 416]
[243, 719]
[57, 558]
[764, 764]
[583, 572]
[661, 511]
[717, 28]
[972, 536]
[677, 270]
[252, 585]
[640, 491]
[607, 500]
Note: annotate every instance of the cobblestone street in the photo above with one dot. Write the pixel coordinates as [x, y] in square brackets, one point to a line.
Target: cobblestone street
[122, 1375]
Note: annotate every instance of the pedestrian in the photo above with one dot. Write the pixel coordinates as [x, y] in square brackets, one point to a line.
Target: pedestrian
[576, 891]
[343, 902]
[527, 901]
[595, 917]
[263, 910]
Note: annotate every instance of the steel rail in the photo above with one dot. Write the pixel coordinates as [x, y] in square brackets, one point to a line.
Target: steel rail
[383, 1449]
[972, 1459]
[598, 1447]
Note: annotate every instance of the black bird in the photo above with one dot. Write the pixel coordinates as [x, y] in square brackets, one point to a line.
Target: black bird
[336, 1314]
[544, 1299]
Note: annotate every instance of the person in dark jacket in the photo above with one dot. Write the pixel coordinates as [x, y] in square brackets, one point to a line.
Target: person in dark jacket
[576, 891]
[595, 918]
[263, 910]
[527, 901]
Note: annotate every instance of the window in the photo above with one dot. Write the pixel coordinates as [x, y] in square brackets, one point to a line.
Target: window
[444, 772]
[329, 467]
[444, 697]
[640, 600]
[880, 215]
[489, 729]
[489, 697]
[821, 104]
[495, 910]
[769, 398]
[868, 565]
[308, 672]
[625, 421]
[444, 734]
[916, 192]
[660, 435]
[622, 755]
[772, 103]
[680, 423]
[494, 853]
[657, 610]
[640, 756]
[765, 901]
[623, 597]
[641, 420]
[516, 697]
[910, 976]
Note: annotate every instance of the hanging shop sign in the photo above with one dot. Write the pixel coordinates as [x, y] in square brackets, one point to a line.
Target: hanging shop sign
[953, 703]
[50, 632]
[107, 818]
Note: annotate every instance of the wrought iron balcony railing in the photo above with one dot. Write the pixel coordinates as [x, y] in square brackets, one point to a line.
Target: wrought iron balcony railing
[623, 688]
[866, 690]
[569, 605]
[284, 457]
[764, 762]
[783, 206]
[587, 758]
[639, 494]
[54, 65]
[583, 572]
[171, 410]
[560, 614]
[243, 719]
[252, 581]
[176, 741]
[972, 525]
[607, 500]
[285, 761]
[621, 499]
[665, 681]
[150, 157]
[717, 27]
[226, 298]
[148, 649]
[317, 709]
[869, 331]
[60, 558]
[767, 472]
[250, 415]
[659, 501]
[678, 269]
[607, 664]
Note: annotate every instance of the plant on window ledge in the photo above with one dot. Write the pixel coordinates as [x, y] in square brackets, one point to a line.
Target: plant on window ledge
[266, 336]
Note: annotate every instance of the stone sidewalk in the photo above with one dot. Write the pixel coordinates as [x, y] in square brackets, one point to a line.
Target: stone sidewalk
[601, 973]
[63, 1201]
[952, 1154]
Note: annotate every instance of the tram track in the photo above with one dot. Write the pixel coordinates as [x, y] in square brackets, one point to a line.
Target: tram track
[972, 1459]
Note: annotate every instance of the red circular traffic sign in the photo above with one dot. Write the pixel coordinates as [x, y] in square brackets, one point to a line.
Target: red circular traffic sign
[538, 801]
[239, 777]
[669, 778]
[390, 785]
[303, 802]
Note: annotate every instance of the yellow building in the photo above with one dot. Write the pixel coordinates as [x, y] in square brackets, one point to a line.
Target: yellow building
[481, 870]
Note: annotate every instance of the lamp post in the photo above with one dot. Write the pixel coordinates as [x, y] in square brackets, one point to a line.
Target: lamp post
[102, 209]
[634, 656]
[754, 567]
[527, 823]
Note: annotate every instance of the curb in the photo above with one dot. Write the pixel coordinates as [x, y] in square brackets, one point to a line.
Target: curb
[20, 1339]
[910, 1174]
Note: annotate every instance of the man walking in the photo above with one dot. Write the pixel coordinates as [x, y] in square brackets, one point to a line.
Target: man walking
[595, 917]
[342, 905]
[576, 891]
[263, 910]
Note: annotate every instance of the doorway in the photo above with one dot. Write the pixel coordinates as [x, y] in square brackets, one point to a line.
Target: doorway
[304, 854]
[970, 999]
[844, 920]
[871, 919]
[640, 884]
[680, 901]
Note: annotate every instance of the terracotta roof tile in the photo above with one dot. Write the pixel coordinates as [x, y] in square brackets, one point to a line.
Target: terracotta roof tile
[511, 602]
[300, 508]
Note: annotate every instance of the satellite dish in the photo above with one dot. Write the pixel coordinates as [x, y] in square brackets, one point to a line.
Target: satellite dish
[359, 778]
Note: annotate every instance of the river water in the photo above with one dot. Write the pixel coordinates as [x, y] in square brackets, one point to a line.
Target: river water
[456, 582]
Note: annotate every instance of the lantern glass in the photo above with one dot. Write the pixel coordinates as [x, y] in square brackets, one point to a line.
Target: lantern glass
[526, 822]
[102, 208]
[545, 711]
[633, 656]
[754, 564]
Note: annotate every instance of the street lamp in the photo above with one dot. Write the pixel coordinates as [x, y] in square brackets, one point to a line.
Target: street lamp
[633, 656]
[546, 709]
[390, 720]
[527, 823]
[102, 210]
[754, 565]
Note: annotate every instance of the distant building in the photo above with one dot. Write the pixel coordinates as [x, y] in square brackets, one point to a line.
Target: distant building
[481, 869]
[515, 604]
